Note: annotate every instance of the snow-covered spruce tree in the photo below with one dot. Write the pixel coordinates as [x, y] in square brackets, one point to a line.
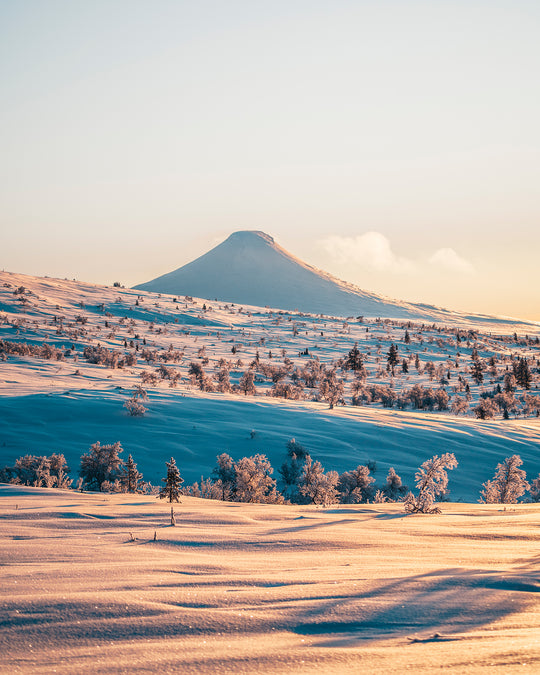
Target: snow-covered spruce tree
[431, 480]
[101, 463]
[318, 487]
[508, 484]
[173, 481]
[130, 477]
[291, 470]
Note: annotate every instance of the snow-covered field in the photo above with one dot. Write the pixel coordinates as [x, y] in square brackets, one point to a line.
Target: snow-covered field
[63, 406]
[250, 588]
[95, 583]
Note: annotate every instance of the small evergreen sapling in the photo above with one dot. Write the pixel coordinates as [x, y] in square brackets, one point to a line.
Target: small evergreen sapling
[173, 481]
[431, 480]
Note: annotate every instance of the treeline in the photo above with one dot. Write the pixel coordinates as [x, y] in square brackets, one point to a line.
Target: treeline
[301, 479]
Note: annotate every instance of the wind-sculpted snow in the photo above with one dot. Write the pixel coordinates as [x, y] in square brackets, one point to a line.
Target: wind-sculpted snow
[258, 588]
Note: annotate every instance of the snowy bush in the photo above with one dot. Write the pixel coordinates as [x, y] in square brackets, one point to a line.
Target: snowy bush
[134, 407]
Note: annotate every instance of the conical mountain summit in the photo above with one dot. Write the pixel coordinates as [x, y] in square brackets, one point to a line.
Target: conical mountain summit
[249, 268]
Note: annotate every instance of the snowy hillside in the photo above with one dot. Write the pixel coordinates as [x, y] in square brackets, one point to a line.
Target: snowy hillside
[72, 354]
[250, 268]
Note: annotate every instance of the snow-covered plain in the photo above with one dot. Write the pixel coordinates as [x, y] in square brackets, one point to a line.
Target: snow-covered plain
[251, 588]
[64, 406]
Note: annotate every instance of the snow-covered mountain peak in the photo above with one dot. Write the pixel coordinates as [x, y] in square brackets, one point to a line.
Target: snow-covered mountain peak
[250, 268]
[250, 237]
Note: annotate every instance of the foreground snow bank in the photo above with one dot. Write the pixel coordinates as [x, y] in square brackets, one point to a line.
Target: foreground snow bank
[274, 589]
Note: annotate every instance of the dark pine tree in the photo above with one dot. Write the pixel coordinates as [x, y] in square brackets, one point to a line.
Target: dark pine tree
[392, 357]
[523, 373]
[354, 360]
[477, 369]
[171, 490]
[131, 477]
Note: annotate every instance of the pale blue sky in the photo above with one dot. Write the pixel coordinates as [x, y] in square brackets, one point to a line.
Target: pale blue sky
[395, 144]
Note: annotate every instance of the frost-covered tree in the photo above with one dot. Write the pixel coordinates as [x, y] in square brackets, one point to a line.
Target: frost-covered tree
[222, 379]
[173, 481]
[394, 489]
[253, 480]
[224, 476]
[247, 383]
[431, 481]
[508, 484]
[317, 486]
[509, 383]
[459, 405]
[130, 476]
[331, 388]
[356, 486]
[535, 489]
[101, 463]
[40, 471]
[486, 409]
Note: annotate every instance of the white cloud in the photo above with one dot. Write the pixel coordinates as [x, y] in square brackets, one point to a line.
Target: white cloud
[448, 259]
[371, 249]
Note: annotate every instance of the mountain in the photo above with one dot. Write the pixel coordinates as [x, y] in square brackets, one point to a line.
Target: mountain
[249, 268]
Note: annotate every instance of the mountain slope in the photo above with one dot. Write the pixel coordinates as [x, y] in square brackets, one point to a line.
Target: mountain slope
[250, 268]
